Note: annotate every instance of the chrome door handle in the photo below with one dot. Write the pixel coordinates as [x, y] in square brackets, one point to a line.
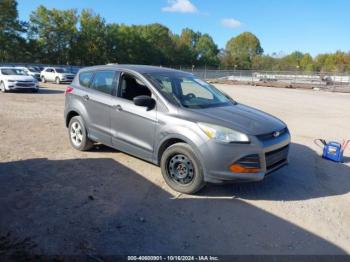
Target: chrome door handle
[118, 107]
[86, 97]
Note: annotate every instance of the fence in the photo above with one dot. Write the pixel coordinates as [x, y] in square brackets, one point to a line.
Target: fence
[330, 81]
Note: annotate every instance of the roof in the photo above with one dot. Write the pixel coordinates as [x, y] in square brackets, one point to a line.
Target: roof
[8, 67]
[142, 69]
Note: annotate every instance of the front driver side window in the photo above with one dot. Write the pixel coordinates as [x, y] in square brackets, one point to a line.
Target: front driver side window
[131, 87]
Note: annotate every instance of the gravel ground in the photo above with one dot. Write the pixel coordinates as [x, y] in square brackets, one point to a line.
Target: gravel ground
[55, 200]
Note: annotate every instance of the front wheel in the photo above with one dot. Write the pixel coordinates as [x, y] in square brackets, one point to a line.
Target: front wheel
[181, 169]
[58, 81]
[78, 135]
[2, 87]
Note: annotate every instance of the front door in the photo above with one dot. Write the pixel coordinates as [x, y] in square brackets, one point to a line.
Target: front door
[98, 102]
[133, 127]
[50, 74]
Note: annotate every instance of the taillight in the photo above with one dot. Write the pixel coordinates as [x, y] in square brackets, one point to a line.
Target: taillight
[69, 89]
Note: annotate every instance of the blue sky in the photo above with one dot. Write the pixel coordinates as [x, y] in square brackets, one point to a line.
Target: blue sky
[314, 26]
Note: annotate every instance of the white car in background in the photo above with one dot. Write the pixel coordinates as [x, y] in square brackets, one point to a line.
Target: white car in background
[32, 71]
[56, 74]
[12, 78]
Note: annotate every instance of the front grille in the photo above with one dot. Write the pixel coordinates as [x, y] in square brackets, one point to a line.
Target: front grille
[69, 77]
[25, 84]
[276, 157]
[270, 135]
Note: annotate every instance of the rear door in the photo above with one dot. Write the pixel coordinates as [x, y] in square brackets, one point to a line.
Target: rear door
[98, 102]
[133, 127]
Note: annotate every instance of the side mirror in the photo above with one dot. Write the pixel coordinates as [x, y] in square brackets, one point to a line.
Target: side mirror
[145, 101]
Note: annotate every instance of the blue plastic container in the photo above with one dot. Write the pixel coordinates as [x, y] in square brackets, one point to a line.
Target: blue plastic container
[333, 151]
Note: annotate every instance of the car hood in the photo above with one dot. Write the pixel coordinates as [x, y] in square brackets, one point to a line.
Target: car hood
[66, 74]
[18, 77]
[239, 117]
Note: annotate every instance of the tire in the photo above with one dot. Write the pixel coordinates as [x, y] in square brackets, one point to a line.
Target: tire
[181, 169]
[57, 81]
[81, 142]
[2, 87]
[43, 79]
[35, 90]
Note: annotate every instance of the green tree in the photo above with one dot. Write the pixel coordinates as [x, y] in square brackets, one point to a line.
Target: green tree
[194, 48]
[91, 44]
[341, 61]
[207, 51]
[291, 61]
[55, 31]
[307, 63]
[241, 50]
[159, 38]
[112, 45]
[12, 43]
[131, 47]
[264, 62]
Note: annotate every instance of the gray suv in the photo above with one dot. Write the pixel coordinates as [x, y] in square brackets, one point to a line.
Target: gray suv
[195, 132]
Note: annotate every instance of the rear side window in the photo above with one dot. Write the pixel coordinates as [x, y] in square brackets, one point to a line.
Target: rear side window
[85, 78]
[103, 82]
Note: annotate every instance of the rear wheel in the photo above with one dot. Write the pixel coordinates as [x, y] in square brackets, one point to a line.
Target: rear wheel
[43, 79]
[181, 169]
[78, 135]
[35, 90]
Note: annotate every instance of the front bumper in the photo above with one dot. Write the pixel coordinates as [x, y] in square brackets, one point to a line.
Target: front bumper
[66, 79]
[22, 86]
[217, 157]
[37, 77]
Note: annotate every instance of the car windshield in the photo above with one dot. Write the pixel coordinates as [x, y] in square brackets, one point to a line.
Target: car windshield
[12, 71]
[61, 70]
[34, 69]
[188, 91]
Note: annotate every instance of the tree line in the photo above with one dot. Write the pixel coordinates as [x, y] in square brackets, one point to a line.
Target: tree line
[53, 36]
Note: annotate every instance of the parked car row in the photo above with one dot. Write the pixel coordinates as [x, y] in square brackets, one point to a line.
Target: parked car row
[28, 77]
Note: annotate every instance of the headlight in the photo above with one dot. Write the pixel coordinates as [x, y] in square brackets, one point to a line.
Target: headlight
[223, 134]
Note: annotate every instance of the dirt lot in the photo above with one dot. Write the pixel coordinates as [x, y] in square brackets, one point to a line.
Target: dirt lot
[56, 200]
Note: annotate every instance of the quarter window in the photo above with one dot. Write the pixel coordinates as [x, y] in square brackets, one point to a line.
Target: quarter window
[85, 78]
[104, 81]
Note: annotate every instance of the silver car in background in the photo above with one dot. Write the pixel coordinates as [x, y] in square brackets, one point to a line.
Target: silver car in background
[196, 133]
[56, 74]
[31, 71]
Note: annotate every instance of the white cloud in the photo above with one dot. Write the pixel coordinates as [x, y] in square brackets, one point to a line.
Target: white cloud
[230, 23]
[180, 6]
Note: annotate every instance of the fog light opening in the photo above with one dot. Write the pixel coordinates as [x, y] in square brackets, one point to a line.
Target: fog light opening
[237, 168]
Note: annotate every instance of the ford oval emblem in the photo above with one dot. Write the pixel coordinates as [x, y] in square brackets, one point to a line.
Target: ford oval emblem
[276, 134]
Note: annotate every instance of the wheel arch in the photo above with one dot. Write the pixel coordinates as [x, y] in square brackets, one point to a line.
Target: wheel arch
[172, 139]
[167, 143]
[70, 115]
